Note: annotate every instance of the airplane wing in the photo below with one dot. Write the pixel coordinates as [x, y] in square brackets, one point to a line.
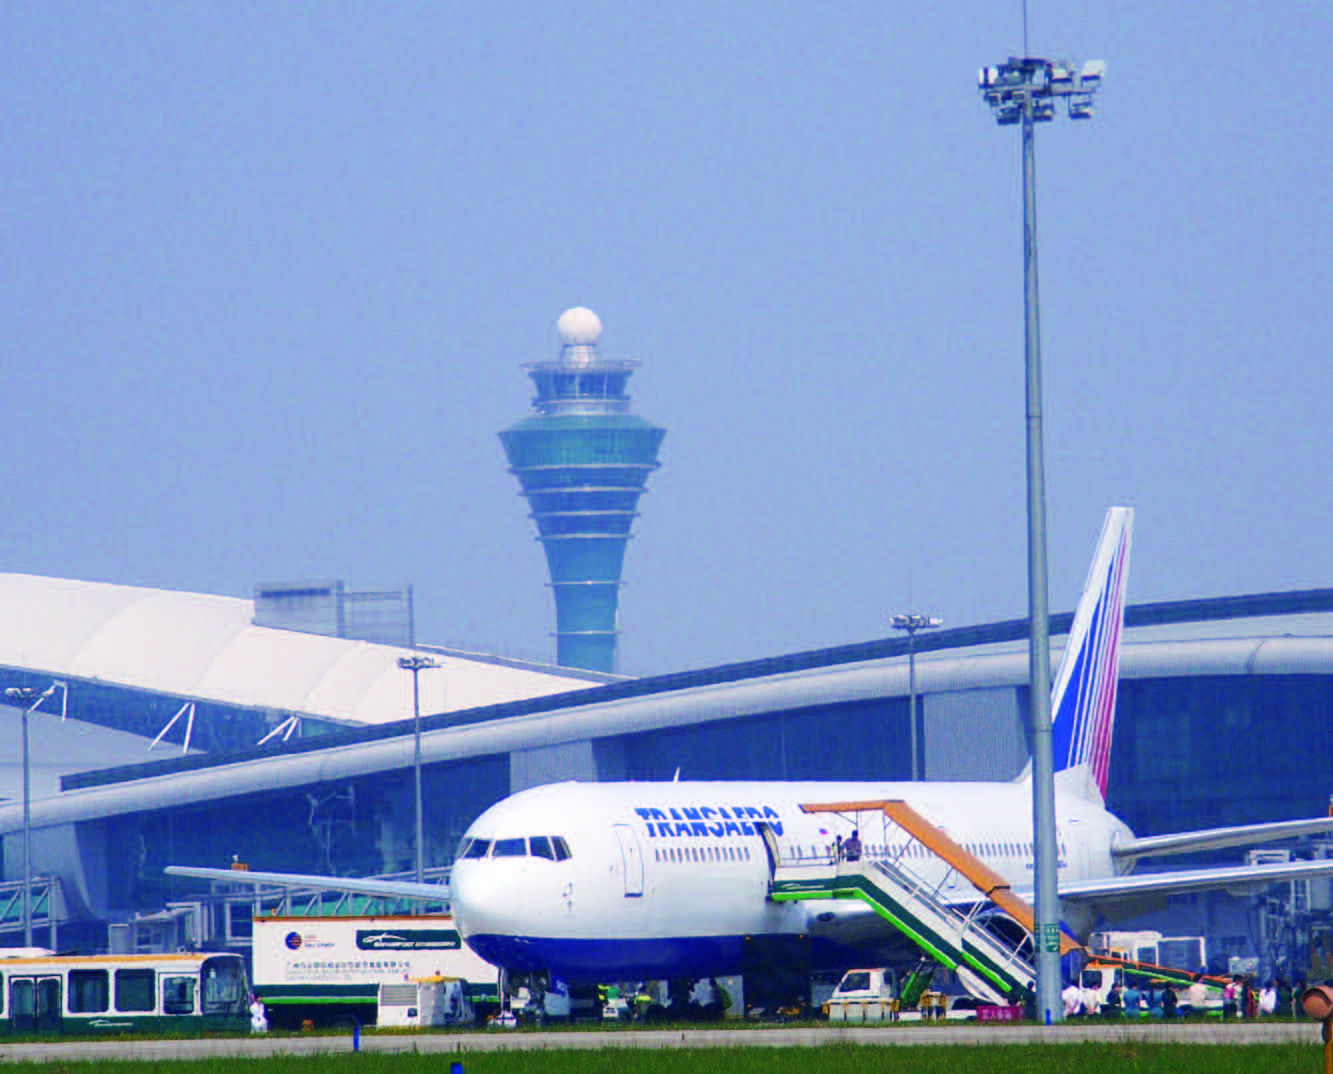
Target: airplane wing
[1105, 895]
[402, 889]
[1213, 838]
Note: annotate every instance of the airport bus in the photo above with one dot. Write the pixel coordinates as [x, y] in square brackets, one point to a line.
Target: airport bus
[60, 995]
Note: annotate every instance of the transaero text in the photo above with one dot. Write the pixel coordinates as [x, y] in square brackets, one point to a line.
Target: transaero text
[707, 820]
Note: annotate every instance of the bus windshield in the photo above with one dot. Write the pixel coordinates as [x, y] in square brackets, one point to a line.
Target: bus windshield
[224, 985]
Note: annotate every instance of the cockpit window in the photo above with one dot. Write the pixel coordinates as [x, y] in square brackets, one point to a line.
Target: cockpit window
[476, 848]
[510, 848]
[561, 848]
[462, 848]
[541, 847]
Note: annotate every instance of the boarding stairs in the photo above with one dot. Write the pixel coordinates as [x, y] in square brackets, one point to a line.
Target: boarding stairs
[991, 966]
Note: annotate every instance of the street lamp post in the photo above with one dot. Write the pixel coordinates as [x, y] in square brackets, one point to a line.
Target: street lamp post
[912, 623]
[417, 664]
[1025, 91]
[24, 694]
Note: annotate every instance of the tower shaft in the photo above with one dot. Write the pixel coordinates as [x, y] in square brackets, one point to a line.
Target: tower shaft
[582, 462]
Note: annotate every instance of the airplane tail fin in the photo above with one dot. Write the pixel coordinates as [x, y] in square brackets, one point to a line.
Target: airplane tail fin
[1083, 697]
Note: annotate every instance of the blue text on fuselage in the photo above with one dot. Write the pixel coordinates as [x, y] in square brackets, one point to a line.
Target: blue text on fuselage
[696, 821]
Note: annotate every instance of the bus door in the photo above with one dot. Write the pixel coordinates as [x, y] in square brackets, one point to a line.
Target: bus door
[35, 1005]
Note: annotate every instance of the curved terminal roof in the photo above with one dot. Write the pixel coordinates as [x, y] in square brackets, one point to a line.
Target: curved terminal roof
[205, 648]
[1263, 634]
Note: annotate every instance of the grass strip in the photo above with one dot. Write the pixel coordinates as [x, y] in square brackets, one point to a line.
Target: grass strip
[1085, 1058]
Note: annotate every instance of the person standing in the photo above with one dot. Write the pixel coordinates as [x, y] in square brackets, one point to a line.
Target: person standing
[1133, 1000]
[1268, 1000]
[1169, 1001]
[1073, 999]
[852, 848]
[1230, 999]
[1249, 999]
[258, 1015]
[1092, 1002]
[1197, 996]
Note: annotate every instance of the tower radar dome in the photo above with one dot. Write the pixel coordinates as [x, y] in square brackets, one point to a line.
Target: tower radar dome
[579, 327]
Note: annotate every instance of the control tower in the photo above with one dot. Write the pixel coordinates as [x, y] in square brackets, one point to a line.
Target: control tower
[582, 461]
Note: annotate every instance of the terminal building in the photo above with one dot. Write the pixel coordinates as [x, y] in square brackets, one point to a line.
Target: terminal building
[1224, 718]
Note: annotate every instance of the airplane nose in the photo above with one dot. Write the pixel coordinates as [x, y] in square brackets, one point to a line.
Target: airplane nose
[483, 904]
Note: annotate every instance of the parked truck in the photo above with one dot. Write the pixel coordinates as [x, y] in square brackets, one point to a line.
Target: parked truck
[877, 995]
[329, 971]
[865, 996]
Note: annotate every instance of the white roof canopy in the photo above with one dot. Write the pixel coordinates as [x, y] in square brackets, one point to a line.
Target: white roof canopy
[206, 648]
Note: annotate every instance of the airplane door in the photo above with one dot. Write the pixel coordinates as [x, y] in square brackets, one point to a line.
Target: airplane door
[1079, 852]
[633, 860]
[771, 848]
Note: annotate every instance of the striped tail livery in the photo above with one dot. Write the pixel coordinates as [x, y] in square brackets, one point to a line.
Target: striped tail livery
[1083, 698]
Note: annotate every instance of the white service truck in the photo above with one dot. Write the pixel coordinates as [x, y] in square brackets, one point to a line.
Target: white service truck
[865, 996]
[330, 971]
[876, 995]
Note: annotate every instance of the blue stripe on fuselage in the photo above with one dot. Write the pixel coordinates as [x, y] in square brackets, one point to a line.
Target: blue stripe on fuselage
[602, 961]
[599, 961]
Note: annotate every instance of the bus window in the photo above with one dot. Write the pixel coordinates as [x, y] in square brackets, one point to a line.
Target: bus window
[134, 990]
[178, 995]
[224, 985]
[88, 991]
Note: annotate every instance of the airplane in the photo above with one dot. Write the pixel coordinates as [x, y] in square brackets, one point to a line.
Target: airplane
[595, 882]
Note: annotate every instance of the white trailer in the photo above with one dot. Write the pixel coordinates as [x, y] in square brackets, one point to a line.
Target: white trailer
[329, 970]
[433, 1001]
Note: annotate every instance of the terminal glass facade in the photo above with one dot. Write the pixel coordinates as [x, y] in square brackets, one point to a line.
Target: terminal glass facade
[1206, 751]
[858, 740]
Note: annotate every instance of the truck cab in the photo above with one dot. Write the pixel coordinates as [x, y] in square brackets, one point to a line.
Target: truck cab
[869, 995]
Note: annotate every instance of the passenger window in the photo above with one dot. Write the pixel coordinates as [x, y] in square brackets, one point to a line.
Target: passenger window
[510, 848]
[561, 848]
[134, 990]
[477, 848]
[540, 847]
[89, 991]
[178, 995]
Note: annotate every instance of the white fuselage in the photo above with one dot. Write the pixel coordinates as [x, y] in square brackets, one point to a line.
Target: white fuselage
[669, 879]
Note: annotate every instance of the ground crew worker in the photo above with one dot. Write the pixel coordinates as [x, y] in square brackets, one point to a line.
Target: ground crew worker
[852, 848]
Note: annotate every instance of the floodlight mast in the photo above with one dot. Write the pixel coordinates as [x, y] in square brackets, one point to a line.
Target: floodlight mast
[912, 622]
[416, 663]
[1025, 90]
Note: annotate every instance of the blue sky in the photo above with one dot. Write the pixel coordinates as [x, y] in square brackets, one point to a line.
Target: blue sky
[270, 271]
